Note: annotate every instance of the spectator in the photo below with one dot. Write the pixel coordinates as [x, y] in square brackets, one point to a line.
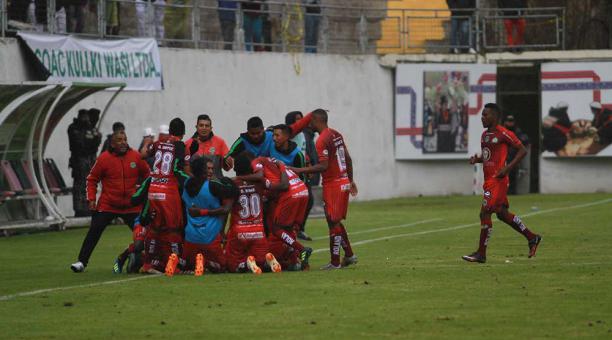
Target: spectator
[252, 24]
[510, 124]
[205, 143]
[119, 170]
[84, 140]
[75, 15]
[145, 28]
[460, 36]
[40, 9]
[311, 25]
[227, 19]
[513, 20]
[113, 18]
[117, 127]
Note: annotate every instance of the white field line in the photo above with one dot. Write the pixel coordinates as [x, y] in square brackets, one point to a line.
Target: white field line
[88, 285]
[462, 226]
[383, 228]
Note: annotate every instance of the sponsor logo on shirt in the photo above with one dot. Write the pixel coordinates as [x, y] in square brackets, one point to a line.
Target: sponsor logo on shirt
[157, 196]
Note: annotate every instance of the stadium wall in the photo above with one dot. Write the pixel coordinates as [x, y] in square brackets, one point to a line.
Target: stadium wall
[232, 86]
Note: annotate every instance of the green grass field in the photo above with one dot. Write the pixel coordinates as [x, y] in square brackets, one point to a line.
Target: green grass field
[410, 281]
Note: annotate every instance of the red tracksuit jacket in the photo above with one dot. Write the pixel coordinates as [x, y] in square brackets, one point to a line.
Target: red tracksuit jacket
[119, 176]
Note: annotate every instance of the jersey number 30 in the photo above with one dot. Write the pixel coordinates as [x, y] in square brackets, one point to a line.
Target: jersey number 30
[251, 205]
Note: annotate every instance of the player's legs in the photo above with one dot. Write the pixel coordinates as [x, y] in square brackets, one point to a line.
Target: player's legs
[517, 224]
[190, 250]
[214, 257]
[235, 254]
[335, 202]
[289, 212]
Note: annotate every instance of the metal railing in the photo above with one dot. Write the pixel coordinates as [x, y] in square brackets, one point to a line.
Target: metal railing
[289, 26]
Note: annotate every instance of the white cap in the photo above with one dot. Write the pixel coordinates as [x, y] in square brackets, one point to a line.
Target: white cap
[562, 105]
[164, 129]
[596, 105]
[148, 131]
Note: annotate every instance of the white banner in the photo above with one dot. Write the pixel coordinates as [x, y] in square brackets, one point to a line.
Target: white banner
[135, 62]
[438, 107]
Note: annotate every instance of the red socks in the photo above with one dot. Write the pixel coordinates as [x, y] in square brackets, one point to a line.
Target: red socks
[485, 234]
[288, 239]
[517, 224]
[335, 242]
[346, 244]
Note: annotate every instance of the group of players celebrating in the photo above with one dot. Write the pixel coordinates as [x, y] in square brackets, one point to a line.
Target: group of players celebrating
[185, 202]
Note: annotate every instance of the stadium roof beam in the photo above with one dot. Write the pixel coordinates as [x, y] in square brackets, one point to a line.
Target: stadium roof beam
[29, 113]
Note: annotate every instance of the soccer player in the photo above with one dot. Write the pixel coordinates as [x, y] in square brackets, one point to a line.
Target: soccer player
[166, 232]
[495, 141]
[336, 168]
[207, 202]
[206, 143]
[246, 247]
[259, 141]
[119, 169]
[291, 154]
[287, 199]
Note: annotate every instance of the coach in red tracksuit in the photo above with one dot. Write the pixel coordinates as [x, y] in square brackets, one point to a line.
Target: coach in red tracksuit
[119, 170]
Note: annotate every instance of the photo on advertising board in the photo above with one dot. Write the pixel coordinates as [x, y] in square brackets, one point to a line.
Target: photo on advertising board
[576, 109]
[445, 111]
[438, 108]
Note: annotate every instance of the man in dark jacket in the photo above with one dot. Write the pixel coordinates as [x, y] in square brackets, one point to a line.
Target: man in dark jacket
[84, 140]
[120, 170]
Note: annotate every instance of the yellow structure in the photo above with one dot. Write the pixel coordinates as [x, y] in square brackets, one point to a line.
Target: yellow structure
[411, 23]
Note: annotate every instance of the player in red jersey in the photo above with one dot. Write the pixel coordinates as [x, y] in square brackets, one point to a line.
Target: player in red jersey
[165, 234]
[287, 203]
[495, 142]
[336, 167]
[247, 247]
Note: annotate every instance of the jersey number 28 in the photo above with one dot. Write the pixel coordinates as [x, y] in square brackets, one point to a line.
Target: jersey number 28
[165, 158]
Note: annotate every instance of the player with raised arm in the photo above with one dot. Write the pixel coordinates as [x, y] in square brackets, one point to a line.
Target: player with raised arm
[336, 166]
[495, 141]
[247, 247]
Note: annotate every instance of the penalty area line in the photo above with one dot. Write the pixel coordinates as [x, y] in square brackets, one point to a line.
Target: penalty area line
[463, 226]
[87, 285]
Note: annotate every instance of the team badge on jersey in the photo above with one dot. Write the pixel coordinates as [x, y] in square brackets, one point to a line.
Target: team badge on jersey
[495, 140]
[486, 154]
[211, 151]
[325, 152]
[133, 165]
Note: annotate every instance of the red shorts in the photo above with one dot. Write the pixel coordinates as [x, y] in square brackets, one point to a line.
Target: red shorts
[335, 199]
[283, 253]
[238, 248]
[213, 255]
[494, 197]
[167, 206]
[289, 211]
